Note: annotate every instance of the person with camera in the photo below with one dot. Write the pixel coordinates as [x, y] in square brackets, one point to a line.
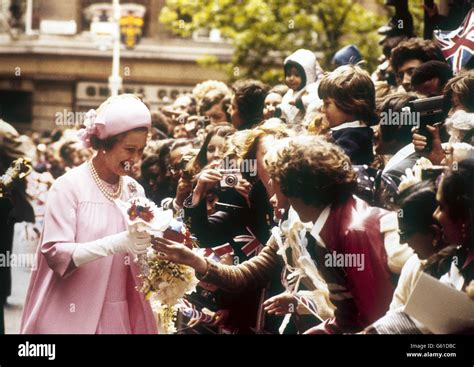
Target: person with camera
[430, 78]
[251, 207]
[216, 226]
[459, 93]
[430, 139]
[211, 226]
[243, 209]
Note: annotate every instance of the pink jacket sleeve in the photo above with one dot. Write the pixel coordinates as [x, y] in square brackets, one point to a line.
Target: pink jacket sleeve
[59, 231]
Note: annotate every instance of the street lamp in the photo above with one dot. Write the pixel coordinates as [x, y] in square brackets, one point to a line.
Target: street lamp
[115, 81]
[29, 18]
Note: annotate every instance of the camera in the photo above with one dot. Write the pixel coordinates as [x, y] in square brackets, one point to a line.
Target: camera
[202, 122]
[430, 110]
[230, 178]
[432, 173]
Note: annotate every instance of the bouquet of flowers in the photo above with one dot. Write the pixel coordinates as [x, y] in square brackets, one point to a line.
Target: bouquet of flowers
[164, 283]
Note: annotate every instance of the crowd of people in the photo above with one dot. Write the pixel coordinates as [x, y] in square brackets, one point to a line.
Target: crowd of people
[319, 201]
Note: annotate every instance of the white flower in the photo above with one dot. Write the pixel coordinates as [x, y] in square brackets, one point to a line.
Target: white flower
[151, 254]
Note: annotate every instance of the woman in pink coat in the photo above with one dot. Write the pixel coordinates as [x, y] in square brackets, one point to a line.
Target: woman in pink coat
[84, 279]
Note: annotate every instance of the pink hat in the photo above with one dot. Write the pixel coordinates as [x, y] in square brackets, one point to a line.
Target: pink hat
[118, 116]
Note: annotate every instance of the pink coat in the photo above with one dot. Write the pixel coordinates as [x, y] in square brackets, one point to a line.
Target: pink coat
[64, 299]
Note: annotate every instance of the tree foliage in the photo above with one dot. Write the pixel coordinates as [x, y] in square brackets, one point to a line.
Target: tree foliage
[263, 32]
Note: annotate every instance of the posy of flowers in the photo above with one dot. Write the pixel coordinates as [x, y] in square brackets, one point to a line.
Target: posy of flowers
[163, 282]
[137, 210]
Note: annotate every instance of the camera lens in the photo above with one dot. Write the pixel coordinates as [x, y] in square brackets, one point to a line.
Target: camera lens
[231, 180]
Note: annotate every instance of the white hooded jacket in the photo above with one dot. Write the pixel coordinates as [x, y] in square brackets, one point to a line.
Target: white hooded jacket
[308, 95]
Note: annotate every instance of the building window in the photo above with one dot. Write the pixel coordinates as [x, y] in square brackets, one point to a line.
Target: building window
[16, 106]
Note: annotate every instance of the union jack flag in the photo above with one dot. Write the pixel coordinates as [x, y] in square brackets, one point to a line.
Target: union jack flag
[252, 247]
[308, 304]
[190, 310]
[219, 251]
[458, 45]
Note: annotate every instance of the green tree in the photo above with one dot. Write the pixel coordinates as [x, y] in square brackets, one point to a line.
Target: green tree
[264, 32]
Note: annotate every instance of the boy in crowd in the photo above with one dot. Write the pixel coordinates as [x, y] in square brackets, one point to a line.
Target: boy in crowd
[349, 105]
[246, 108]
[410, 54]
[430, 78]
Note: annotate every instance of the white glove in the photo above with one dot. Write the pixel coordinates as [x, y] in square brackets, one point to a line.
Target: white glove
[135, 243]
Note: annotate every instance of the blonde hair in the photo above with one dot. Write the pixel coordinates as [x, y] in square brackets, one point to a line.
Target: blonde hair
[202, 89]
[462, 86]
[271, 127]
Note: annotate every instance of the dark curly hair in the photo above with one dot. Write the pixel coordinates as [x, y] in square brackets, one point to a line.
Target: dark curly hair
[415, 49]
[211, 99]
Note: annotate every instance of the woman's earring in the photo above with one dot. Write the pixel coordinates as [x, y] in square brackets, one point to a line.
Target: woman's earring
[103, 152]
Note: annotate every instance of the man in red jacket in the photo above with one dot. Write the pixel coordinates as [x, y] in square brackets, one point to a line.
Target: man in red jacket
[345, 240]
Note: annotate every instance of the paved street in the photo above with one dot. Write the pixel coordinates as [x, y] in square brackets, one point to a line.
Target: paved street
[20, 279]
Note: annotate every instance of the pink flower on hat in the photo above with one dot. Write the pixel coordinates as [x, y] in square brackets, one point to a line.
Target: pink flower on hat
[91, 128]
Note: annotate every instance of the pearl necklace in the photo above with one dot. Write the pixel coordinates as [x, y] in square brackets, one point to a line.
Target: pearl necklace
[109, 195]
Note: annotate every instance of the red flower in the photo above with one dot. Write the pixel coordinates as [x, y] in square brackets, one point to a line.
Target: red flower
[138, 211]
[132, 212]
[145, 213]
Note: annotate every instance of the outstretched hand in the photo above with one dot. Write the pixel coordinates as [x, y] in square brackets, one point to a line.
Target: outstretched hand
[281, 304]
[179, 254]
